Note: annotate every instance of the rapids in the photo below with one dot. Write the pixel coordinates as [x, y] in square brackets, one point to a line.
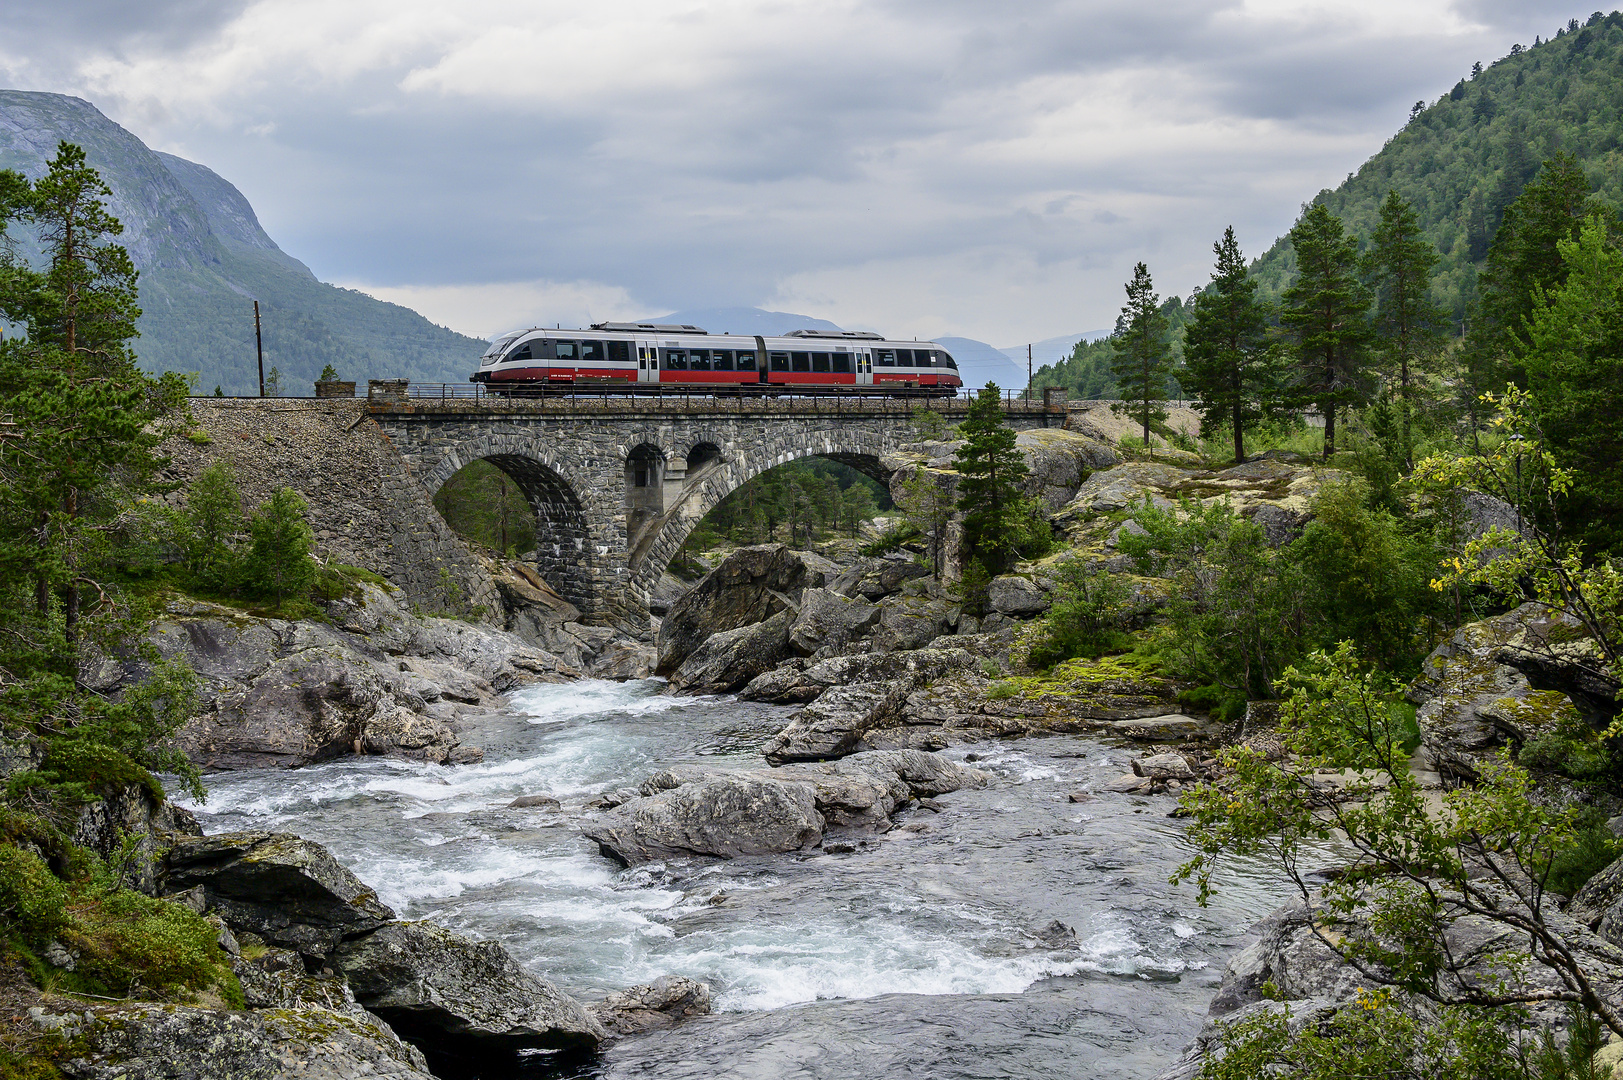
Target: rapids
[915, 955]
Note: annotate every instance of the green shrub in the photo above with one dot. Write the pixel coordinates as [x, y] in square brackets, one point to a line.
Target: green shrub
[1593, 849]
[1571, 747]
[279, 562]
[890, 540]
[32, 901]
[1086, 619]
[1222, 702]
[125, 940]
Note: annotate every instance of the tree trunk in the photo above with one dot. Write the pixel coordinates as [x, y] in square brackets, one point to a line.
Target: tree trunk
[1329, 429]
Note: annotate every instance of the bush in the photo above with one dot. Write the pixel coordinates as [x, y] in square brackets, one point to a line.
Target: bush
[126, 940]
[32, 900]
[279, 562]
[1086, 618]
[1571, 747]
[1593, 849]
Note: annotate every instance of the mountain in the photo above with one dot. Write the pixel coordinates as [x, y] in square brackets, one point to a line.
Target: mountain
[204, 259]
[980, 363]
[1048, 350]
[1461, 161]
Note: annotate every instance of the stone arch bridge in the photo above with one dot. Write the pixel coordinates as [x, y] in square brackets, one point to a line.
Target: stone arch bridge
[618, 483]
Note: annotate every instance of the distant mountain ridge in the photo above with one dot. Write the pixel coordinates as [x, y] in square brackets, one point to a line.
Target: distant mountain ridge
[204, 259]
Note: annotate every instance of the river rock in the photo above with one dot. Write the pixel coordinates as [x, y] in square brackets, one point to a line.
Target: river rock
[289, 891]
[799, 679]
[1163, 767]
[1020, 597]
[750, 586]
[184, 1042]
[827, 618]
[728, 660]
[663, 1003]
[131, 813]
[872, 689]
[469, 1000]
[1169, 728]
[724, 815]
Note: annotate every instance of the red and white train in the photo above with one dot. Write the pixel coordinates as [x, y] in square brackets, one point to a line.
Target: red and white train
[653, 355]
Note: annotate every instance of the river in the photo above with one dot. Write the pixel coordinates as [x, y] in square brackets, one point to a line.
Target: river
[915, 955]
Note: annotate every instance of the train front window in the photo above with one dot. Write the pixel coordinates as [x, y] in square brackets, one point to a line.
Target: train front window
[780, 361]
[820, 362]
[520, 353]
[946, 358]
[802, 361]
[885, 357]
[566, 350]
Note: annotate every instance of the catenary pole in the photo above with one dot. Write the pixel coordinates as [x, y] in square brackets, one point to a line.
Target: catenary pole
[259, 349]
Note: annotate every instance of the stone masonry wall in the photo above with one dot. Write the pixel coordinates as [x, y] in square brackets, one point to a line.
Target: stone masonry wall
[366, 507]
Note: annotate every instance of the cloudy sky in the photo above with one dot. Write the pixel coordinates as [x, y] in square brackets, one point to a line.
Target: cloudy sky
[925, 167]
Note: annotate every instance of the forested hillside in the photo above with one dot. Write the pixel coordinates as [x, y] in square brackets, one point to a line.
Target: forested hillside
[1461, 161]
[204, 259]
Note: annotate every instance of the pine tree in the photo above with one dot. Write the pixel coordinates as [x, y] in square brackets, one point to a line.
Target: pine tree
[1143, 357]
[927, 505]
[1407, 323]
[1327, 308]
[1232, 368]
[1000, 523]
[88, 419]
[279, 561]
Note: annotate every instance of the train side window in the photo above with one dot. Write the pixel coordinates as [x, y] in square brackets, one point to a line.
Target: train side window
[746, 361]
[723, 359]
[619, 352]
[591, 351]
[820, 362]
[780, 361]
[676, 360]
[842, 363]
[904, 357]
[802, 361]
[885, 357]
[520, 353]
[566, 350]
[923, 358]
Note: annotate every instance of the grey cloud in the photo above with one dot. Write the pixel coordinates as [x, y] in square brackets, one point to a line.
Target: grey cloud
[68, 27]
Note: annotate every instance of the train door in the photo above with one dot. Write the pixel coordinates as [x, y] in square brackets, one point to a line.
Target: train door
[864, 368]
[647, 362]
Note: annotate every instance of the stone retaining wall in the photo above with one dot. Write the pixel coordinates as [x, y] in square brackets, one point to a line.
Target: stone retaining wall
[366, 507]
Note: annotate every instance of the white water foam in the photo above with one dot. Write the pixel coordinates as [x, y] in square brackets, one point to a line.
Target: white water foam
[548, 703]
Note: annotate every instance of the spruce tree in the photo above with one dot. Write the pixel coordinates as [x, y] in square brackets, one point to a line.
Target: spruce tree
[1231, 367]
[1407, 323]
[1525, 256]
[1327, 309]
[1000, 523]
[1143, 358]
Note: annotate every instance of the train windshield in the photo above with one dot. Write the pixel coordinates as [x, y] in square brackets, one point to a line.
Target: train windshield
[497, 346]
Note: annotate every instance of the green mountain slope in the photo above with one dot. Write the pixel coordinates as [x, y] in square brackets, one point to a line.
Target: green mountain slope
[204, 259]
[1462, 160]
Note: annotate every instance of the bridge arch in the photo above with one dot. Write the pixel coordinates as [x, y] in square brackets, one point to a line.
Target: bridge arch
[861, 450]
[562, 517]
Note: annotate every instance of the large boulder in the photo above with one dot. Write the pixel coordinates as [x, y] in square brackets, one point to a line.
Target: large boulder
[132, 813]
[467, 1001]
[724, 815]
[1016, 596]
[655, 1006]
[827, 618]
[1059, 461]
[749, 587]
[185, 1042]
[871, 691]
[1507, 680]
[725, 661]
[698, 810]
[1122, 486]
[287, 890]
[877, 577]
[907, 623]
